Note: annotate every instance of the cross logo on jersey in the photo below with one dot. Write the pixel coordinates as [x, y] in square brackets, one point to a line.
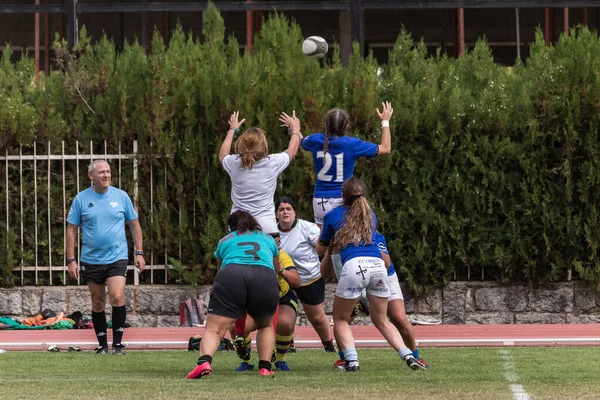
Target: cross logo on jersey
[114, 204]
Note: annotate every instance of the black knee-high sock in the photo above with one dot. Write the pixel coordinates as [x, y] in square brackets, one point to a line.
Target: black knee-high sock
[118, 323]
[99, 321]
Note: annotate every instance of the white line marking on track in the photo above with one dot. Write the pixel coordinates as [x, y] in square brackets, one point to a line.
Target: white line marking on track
[510, 374]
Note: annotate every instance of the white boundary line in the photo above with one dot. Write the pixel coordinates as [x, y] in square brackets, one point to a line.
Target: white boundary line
[510, 374]
[503, 342]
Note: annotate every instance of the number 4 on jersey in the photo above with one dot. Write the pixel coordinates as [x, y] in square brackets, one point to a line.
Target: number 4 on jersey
[327, 163]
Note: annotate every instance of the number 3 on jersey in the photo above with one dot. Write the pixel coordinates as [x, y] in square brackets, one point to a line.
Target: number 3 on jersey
[327, 163]
[252, 252]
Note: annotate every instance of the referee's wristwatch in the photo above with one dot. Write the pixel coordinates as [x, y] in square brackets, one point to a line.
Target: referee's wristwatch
[139, 252]
[70, 260]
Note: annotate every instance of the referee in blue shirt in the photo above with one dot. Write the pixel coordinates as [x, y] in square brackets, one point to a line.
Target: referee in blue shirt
[102, 210]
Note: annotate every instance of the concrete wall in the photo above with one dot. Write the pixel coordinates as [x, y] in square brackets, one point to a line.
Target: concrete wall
[457, 303]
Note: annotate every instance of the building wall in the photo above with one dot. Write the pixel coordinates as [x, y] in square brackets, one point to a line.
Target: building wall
[436, 27]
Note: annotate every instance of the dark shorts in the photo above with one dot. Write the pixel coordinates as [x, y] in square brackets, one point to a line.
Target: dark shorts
[289, 300]
[312, 294]
[238, 288]
[99, 273]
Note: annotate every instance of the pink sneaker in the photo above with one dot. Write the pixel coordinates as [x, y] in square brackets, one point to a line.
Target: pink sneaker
[266, 372]
[201, 370]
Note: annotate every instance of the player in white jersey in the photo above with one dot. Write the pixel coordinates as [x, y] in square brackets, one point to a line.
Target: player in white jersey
[298, 240]
[253, 171]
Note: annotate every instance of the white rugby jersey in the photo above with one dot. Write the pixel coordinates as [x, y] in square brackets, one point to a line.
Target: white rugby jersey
[252, 190]
[299, 243]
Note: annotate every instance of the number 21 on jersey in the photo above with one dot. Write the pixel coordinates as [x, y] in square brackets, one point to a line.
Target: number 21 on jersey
[324, 175]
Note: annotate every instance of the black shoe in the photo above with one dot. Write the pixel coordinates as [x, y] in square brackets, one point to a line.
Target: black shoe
[292, 347]
[330, 348]
[101, 350]
[413, 363]
[119, 349]
[350, 366]
[363, 306]
[240, 348]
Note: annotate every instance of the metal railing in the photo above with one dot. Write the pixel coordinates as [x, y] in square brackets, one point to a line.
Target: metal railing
[24, 179]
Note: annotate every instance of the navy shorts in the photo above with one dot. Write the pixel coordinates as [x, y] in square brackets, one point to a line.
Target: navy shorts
[99, 273]
[239, 288]
[312, 294]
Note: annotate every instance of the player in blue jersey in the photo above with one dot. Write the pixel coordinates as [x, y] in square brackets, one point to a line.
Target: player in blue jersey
[396, 312]
[352, 227]
[246, 282]
[335, 154]
[102, 211]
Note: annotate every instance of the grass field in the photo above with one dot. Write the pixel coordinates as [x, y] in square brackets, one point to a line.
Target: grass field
[456, 373]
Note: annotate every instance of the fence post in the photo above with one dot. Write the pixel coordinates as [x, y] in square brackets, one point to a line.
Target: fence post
[72, 27]
[136, 275]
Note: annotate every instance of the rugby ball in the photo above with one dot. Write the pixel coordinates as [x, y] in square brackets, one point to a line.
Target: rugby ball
[315, 47]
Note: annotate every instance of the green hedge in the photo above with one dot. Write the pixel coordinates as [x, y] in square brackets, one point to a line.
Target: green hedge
[494, 171]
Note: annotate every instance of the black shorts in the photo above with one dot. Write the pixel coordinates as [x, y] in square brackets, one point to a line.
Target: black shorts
[289, 300]
[99, 273]
[312, 294]
[238, 288]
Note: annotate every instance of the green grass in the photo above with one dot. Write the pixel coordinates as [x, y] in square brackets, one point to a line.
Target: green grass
[460, 373]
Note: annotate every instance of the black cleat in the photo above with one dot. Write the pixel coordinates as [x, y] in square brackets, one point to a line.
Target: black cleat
[119, 349]
[101, 350]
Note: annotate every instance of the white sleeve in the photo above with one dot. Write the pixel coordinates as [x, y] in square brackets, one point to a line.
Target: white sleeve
[282, 160]
[312, 233]
[229, 162]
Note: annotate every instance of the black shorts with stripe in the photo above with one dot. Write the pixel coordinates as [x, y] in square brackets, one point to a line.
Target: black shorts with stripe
[289, 299]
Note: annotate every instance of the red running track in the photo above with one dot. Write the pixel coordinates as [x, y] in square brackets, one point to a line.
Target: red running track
[305, 336]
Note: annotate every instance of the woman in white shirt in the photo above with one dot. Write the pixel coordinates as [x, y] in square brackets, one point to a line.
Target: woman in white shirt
[253, 171]
[298, 240]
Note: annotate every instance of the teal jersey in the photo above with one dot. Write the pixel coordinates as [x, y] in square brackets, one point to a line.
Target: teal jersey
[248, 248]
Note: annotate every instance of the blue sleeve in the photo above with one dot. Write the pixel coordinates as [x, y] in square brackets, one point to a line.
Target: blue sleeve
[328, 229]
[217, 252]
[307, 143]
[74, 217]
[379, 240]
[130, 213]
[274, 246]
[365, 149]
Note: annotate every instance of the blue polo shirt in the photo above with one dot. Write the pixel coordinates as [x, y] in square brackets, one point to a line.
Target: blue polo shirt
[102, 218]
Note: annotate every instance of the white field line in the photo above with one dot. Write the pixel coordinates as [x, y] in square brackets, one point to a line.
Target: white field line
[510, 374]
[500, 341]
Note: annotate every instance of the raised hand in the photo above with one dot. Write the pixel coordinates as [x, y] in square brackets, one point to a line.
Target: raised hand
[292, 122]
[234, 123]
[386, 112]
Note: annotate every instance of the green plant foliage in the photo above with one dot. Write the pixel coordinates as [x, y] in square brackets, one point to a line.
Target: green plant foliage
[494, 172]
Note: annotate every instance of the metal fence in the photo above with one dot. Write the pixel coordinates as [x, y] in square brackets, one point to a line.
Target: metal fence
[29, 180]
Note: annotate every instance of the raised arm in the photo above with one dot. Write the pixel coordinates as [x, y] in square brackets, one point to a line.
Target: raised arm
[293, 125]
[234, 126]
[385, 147]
